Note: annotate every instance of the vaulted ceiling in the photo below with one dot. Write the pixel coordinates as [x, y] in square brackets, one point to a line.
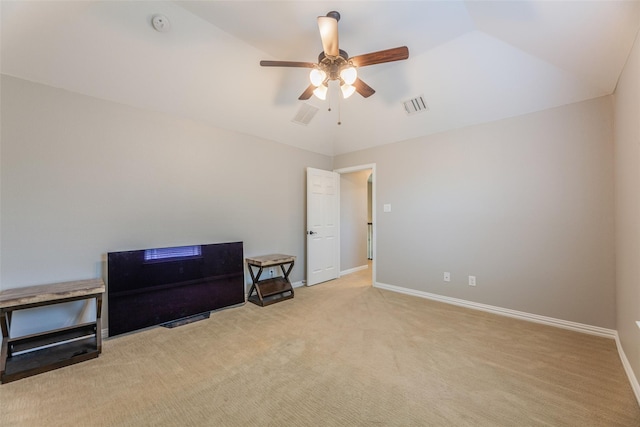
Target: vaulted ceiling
[472, 61]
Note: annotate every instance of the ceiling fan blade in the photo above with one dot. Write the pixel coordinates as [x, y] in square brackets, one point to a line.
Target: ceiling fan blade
[329, 34]
[307, 93]
[363, 89]
[388, 55]
[287, 64]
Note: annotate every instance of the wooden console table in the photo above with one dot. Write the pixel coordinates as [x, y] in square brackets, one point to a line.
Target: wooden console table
[276, 289]
[61, 347]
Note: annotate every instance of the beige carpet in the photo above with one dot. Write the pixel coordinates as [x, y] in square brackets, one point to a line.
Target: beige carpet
[339, 354]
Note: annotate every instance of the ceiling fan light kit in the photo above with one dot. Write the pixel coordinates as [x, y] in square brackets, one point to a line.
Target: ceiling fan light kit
[321, 92]
[349, 74]
[336, 69]
[317, 76]
[347, 90]
[335, 64]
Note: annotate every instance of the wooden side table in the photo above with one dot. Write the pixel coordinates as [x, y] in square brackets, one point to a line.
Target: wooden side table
[60, 347]
[276, 289]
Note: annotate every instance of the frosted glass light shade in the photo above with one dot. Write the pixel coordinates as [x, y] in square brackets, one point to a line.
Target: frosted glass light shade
[347, 90]
[317, 76]
[349, 75]
[321, 92]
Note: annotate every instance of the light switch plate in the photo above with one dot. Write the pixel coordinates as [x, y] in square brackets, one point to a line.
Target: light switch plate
[386, 207]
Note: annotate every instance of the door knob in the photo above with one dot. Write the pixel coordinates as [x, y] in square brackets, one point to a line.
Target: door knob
[312, 232]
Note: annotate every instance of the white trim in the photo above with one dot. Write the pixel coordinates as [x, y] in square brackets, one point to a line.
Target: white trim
[627, 368]
[355, 168]
[550, 321]
[374, 202]
[353, 270]
[565, 324]
[579, 327]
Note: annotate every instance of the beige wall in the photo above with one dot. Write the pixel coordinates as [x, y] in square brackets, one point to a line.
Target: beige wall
[353, 219]
[627, 184]
[82, 177]
[524, 204]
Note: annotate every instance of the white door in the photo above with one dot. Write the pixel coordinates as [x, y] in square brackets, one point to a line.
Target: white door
[323, 226]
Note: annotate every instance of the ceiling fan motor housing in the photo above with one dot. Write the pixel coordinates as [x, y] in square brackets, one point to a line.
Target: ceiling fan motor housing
[332, 65]
[324, 58]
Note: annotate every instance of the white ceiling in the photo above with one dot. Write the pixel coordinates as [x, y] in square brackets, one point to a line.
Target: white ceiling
[473, 61]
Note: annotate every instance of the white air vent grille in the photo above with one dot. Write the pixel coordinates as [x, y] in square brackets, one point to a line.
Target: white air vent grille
[305, 114]
[415, 105]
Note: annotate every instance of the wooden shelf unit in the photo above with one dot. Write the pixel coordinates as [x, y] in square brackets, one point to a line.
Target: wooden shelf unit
[55, 348]
[275, 289]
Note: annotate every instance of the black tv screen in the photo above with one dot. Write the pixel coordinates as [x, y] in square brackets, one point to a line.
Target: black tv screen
[149, 287]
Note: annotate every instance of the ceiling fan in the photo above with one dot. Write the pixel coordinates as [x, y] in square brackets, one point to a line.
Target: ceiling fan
[335, 64]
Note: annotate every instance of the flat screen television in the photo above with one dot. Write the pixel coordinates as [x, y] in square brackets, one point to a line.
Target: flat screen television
[153, 286]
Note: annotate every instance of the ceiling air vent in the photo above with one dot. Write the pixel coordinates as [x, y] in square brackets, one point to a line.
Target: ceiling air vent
[305, 114]
[415, 105]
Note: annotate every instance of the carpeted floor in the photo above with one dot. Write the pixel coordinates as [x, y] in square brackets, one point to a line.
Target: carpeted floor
[339, 354]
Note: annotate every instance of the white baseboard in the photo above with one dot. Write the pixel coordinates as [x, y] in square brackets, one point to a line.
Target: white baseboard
[565, 324]
[353, 270]
[559, 323]
[627, 368]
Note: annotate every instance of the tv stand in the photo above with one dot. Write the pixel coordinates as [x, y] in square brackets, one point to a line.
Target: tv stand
[276, 289]
[54, 348]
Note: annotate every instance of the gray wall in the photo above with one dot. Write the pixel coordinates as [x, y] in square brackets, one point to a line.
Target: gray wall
[82, 177]
[353, 219]
[524, 204]
[627, 184]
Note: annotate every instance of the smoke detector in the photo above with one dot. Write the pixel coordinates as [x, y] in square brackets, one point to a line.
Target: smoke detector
[160, 23]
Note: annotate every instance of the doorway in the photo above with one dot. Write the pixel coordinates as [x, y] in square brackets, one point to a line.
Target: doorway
[358, 222]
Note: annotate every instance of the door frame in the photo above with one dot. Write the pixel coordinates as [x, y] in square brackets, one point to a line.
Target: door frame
[374, 237]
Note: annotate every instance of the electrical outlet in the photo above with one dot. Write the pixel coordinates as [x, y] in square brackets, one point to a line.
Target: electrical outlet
[447, 276]
[472, 280]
